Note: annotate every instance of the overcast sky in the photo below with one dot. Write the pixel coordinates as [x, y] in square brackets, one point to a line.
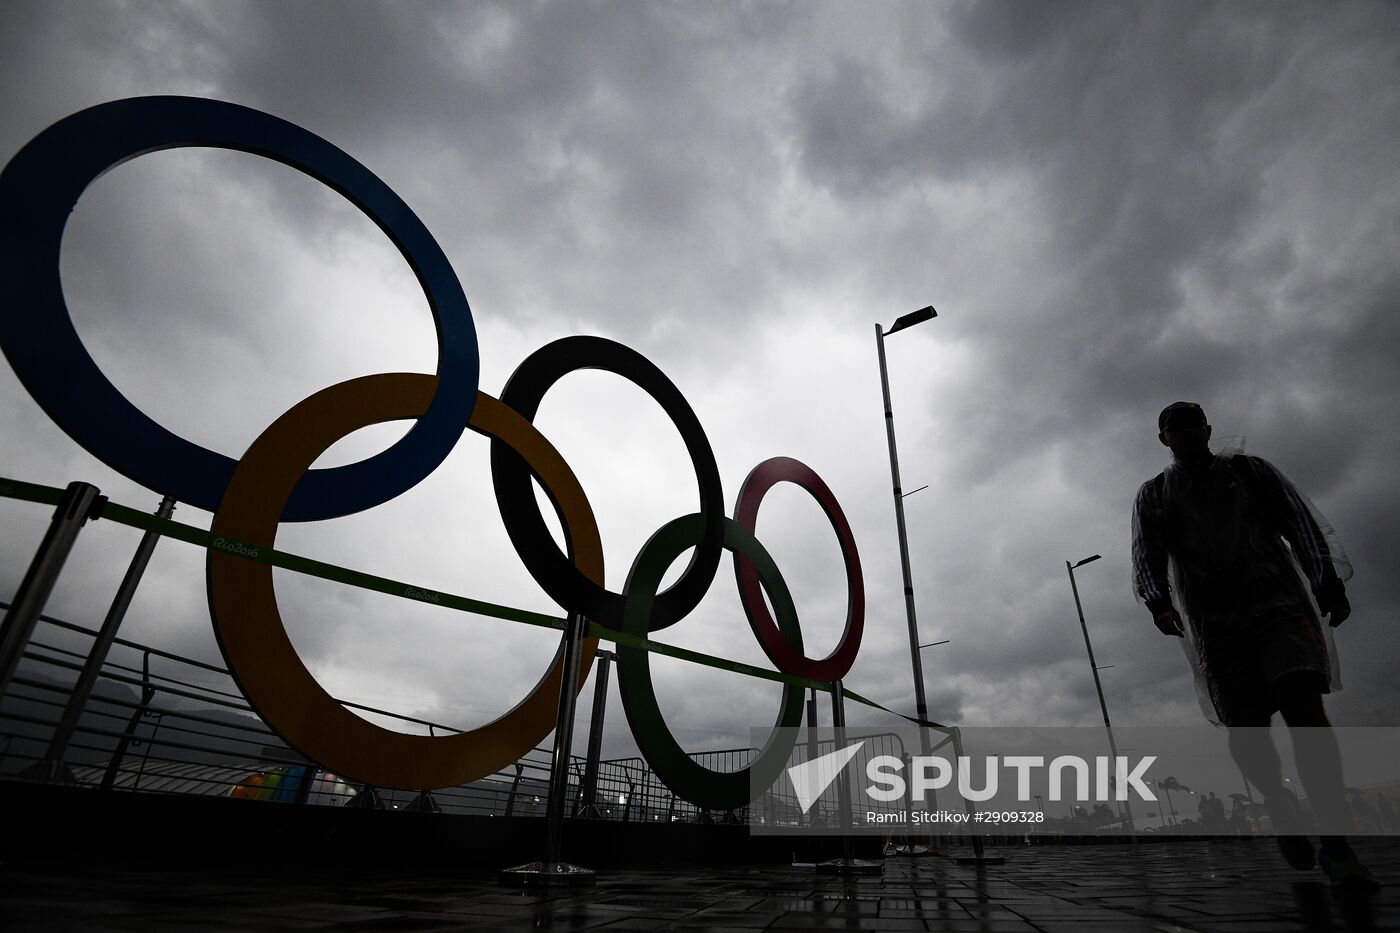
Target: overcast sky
[1112, 206]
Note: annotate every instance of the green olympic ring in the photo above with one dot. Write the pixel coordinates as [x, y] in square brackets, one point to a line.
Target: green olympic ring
[716, 790]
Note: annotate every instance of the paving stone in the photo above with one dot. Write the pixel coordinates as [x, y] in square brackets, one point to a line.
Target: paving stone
[1190, 886]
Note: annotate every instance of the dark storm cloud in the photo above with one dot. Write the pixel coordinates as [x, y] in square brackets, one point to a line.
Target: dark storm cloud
[1171, 154]
[1134, 121]
[584, 130]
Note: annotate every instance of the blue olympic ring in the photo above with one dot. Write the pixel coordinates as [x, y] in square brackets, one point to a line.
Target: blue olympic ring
[38, 190]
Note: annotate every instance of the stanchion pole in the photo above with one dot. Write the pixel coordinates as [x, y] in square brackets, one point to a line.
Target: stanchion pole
[52, 767]
[80, 502]
[552, 871]
[843, 783]
[588, 799]
[848, 864]
[816, 818]
[978, 858]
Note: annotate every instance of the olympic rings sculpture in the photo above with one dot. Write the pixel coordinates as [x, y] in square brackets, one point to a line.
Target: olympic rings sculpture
[272, 482]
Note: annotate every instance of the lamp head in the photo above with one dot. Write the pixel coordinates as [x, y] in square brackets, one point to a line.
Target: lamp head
[912, 318]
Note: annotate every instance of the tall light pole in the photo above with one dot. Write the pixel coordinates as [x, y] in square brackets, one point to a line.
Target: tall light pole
[920, 702]
[1098, 686]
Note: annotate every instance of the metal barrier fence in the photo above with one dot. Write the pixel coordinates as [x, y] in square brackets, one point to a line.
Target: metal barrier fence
[628, 790]
[158, 722]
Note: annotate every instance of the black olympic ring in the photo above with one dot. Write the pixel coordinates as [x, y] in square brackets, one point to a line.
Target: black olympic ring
[554, 571]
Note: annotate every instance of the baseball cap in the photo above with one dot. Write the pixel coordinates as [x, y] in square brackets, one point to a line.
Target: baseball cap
[1181, 413]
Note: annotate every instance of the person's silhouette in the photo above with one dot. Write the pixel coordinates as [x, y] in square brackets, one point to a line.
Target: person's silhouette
[1241, 551]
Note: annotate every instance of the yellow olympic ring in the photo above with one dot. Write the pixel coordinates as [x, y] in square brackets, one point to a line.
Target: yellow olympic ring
[254, 639]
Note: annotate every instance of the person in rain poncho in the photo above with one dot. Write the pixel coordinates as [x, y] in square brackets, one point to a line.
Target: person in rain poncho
[1229, 555]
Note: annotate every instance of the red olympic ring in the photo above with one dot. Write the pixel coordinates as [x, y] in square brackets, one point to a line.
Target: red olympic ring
[833, 667]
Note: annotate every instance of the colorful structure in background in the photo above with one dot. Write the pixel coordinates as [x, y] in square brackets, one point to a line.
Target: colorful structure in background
[283, 784]
[272, 482]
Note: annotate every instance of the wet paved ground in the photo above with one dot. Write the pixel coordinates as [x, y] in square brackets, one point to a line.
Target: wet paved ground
[1194, 885]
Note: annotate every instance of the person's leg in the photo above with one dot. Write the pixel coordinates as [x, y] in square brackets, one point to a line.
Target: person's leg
[1315, 750]
[1244, 700]
[1240, 658]
[1254, 752]
[1253, 749]
[1319, 762]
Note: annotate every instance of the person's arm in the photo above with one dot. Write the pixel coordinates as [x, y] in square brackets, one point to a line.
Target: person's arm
[1150, 559]
[1306, 538]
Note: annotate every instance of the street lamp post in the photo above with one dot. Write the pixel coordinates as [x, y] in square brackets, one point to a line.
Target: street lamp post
[1098, 686]
[920, 702]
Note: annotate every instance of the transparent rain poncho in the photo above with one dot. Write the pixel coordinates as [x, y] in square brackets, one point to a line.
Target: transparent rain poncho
[1233, 534]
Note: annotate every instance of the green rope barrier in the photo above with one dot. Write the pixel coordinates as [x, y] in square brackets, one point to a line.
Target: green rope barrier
[145, 521]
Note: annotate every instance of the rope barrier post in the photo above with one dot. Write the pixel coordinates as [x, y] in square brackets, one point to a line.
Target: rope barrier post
[80, 502]
[815, 818]
[848, 864]
[552, 872]
[425, 802]
[588, 798]
[514, 790]
[907, 842]
[367, 798]
[978, 858]
[52, 767]
[843, 783]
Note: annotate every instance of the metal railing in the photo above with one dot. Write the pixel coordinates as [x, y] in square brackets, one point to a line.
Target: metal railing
[628, 790]
[162, 723]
